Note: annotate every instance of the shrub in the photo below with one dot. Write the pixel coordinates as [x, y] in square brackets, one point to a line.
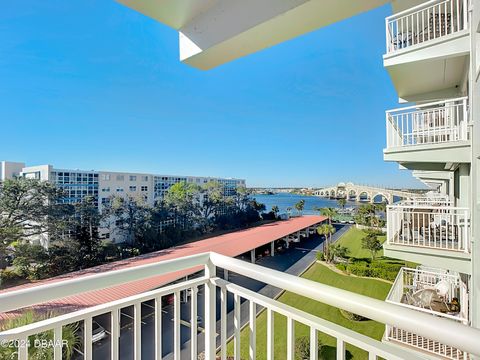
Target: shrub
[351, 316]
[320, 256]
[8, 276]
[341, 266]
[69, 334]
[302, 348]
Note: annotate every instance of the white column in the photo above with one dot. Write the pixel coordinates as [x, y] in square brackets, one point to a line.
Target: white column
[210, 311]
[252, 256]
[225, 274]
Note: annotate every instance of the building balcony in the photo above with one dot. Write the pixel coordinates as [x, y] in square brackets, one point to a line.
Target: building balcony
[436, 133]
[431, 233]
[421, 43]
[209, 299]
[432, 291]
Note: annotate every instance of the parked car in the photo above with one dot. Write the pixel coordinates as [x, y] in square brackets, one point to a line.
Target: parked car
[98, 332]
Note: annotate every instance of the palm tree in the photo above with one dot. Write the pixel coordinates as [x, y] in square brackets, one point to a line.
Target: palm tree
[329, 213]
[299, 206]
[289, 210]
[326, 230]
[275, 209]
[342, 203]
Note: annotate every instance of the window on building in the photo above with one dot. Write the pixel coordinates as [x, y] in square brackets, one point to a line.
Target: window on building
[144, 188]
[133, 188]
[144, 178]
[133, 178]
[105, 201]
[105, 177]
[107, 189]
[119, 189]
[120, 178]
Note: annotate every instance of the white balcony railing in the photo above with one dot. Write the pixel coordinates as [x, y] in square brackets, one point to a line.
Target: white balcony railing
[216, 290]
[427, 201]
[438, 122]
[433, 291]
[428, 21]
[435, 227]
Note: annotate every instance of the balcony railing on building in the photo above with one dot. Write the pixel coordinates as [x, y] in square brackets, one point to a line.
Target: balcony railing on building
[217, 295]
[428, 200]
[433, 123]
[433, 291]
[427, 226]
[426, 22]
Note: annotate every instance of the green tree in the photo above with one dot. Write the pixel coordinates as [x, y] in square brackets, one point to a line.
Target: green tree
[213, 201]
[30, 209]
[183, 199]
[299, 206]
[86, 222]
[326, 230]
[329, 212]
[130, 215]
[275, 210]
[337, 251]
[30, 260]
[342, 202]
[372, 244]
[241, 198]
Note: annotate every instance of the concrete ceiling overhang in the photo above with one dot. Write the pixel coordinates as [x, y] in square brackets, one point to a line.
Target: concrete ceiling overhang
[213, 32]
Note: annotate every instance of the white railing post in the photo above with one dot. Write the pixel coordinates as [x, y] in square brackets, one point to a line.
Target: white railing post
[252, 351]
[223, 323]
[177, 342]
[388, 36]
[194, 323]
[57, 341]
[270, 334]
[137, 331]
[87, 338]
[158, 328]
[115, 334]
[314, 344]
[210, 312]
[290, 339]
[236, 327]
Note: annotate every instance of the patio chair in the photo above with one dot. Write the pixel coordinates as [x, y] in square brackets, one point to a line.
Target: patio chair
[422, 298]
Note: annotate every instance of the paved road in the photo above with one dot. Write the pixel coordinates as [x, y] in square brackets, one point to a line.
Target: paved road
[293, 261]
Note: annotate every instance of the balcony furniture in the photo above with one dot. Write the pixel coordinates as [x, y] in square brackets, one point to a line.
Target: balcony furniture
[422, 298]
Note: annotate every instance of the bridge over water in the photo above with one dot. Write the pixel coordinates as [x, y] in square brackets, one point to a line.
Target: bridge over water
[363, 193]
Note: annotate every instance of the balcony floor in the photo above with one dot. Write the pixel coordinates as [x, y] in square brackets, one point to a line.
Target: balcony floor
[430, 347]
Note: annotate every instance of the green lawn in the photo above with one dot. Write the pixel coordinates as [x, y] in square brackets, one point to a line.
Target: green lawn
[352, 240]
[322, 274]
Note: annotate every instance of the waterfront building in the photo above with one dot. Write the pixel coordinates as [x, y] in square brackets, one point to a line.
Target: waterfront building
[103, 185]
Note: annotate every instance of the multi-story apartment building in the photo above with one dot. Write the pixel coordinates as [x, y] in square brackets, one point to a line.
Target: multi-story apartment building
[102, 185]
[430, 62]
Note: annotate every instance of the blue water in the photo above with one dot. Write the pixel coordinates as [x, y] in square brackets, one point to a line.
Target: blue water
[284, 200]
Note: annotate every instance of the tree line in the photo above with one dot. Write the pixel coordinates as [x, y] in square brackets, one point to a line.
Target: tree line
[31, 210]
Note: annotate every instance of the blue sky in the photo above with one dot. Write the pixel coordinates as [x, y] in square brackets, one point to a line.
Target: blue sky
[94, 85]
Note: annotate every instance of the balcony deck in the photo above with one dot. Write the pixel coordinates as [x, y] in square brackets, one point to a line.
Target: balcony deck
[433, 291]
[442, 330]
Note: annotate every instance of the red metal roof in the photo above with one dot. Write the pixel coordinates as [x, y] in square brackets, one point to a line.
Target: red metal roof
[231, 244]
